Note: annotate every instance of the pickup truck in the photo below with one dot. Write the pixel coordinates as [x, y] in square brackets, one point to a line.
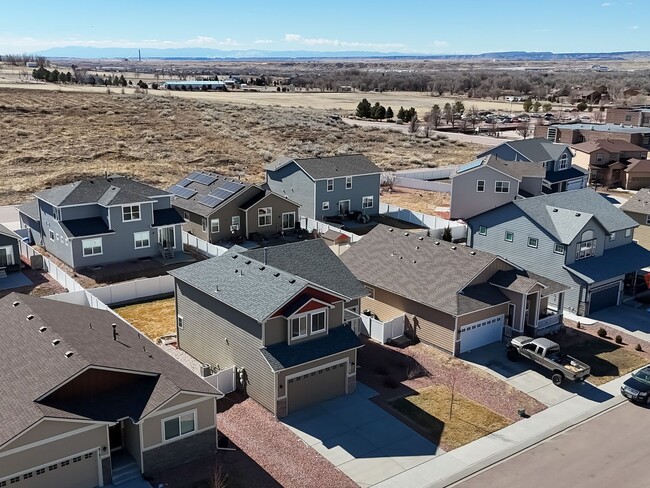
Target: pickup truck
[546, 353]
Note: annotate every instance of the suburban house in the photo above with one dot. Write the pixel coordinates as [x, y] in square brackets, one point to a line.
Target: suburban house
[560, 174]
[280, 315]
[86, 400]
[638, 209]
[489, 182]
[451, 296]
[576, 238]
[591, 95]
[576, 133]
[9, 251]
[607, 159]
[216, 208]
[638, 116]
[329, 186]
[103, 221]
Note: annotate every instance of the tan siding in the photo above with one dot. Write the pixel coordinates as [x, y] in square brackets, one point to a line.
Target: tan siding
[52, 451]
[482, 314]
[496, 265]
[180, 399]
[642, 232]
[275, 330]
[336, 315]
[582, 159]
[152, 426]
[383, 311]
[350, 356]
[279, 206]
[216, 334]
[44, 430]
[132, 440]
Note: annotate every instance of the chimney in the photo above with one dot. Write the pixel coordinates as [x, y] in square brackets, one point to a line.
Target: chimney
[114, 331]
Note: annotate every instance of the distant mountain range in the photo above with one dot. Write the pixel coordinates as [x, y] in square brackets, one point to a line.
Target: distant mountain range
[194, 53]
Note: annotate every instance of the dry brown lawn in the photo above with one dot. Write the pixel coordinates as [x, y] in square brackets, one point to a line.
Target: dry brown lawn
[416, 200]
[55, 137]
[153, 319]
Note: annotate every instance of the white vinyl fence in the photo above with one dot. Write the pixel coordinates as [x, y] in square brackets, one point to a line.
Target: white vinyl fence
[224, 380]
[423, 179]
[311, 224]
[436, 224]
[134, 290]
[52, 269]
[380, 331]
[204, 247]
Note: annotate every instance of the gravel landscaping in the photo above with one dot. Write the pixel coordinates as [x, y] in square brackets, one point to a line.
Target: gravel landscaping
[276, 449]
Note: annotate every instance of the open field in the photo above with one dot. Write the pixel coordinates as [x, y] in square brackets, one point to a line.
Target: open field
[55, 137]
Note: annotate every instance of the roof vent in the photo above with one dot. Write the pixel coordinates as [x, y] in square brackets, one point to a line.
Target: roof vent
[292, 281]
[406, 234]
[68, 354]
[401, 257]
[437, 243]
[30, 316]
[453, 248]
[472, 253]
[577, 214]
[236, 271]
[420, 238]
[390, 229]
[276, 274]
[248, 261]
[262, 268]
[55, 342]
[234, 256]
[42, 329]
[417, 247]
[414, 261]
[16, 303]
[555, 210]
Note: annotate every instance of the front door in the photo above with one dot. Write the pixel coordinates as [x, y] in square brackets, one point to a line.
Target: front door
[115, 436]
[166, 237]
[344, 207]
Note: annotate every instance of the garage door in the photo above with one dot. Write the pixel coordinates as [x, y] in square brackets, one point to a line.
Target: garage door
[481, 333]
[78, 471]
[574, 184]
[316, 386]
[604, 297]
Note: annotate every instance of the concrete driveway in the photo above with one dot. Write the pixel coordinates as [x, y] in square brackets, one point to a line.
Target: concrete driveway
[364, 441]
[631, 317]
[527, 376]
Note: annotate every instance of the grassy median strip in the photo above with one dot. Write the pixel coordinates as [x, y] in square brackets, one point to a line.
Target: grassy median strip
[430, 408]
[153, 319]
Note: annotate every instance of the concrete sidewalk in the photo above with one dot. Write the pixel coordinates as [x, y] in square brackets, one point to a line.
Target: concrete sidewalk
[455, 465]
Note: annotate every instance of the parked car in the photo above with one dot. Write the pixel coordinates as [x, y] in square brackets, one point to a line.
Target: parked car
[637, 388]
[547, 354]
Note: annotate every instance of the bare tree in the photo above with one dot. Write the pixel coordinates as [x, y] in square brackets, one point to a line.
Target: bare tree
[523, 128]
[452, 376]
[413, 125]
[388, 180]
[218, 477]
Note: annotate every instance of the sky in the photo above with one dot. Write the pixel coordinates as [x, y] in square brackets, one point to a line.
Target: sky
[419, 26]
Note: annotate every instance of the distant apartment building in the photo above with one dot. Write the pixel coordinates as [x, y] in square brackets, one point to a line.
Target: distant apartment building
[638, 116]
[577, 133]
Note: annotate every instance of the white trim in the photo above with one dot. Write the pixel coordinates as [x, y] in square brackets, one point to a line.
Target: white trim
[268, 212]
[282, 220]
[311, 299]
[141, 448]
[212, 222]
[178, 416]
[135, 241]
[194, 432]
[324, 330]
[342, 176]
[327, 184]
[163, 411]
[338, 205]
[83, 249]
[372, 201]
[95, 450]
[528, 243]
[53, 438]
[477, 190]
[318, 359]
[325, 202]
[348, 178]
[504, 184]
[130, 206]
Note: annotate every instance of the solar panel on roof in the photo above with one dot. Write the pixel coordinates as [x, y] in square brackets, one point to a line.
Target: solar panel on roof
[221, 193]
[210, 201]
[184, 182]
[467, 166]
[232, 186]
[192, 176]
[205, 179]
[182, 192]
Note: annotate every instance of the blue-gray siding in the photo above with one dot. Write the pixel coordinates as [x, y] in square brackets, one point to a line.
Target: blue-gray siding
[291, 181]
[362, 186]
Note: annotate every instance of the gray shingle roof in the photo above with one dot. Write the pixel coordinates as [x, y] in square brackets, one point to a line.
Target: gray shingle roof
[116, 190]
[30, 208]
[615, 262]
[564, 214]
[85, 227]
[413, 266]
[166, 216]
[33, 366]
[315, 262]
[331, 166]
[515, 169]
[282, 355]
[8, 232]
[255, 289]
[521, 281]
[537, 149]
[639, 203]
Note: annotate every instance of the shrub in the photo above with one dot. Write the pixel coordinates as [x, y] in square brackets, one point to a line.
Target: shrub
[602, 332]
[618, 339]
[638, 348]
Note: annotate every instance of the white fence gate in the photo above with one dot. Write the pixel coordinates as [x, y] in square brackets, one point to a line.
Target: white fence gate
[380, 331]
[224, 380]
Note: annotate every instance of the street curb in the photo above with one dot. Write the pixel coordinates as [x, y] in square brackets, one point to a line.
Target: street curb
[533, 440]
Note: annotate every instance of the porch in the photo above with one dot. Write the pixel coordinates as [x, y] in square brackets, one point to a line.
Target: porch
[545, 316]
[124, 446]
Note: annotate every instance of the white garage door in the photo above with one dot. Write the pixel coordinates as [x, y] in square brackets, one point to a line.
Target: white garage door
[574, 184]
[473, 336]
[80, 471]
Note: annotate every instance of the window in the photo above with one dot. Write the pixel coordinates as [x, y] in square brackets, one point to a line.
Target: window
[179, 426]
[510, 236]
[348, 182]
[141, 239]
[480, 185]
[326, 205]
[56, 212]
[130, 213]
[186, 215]
[288, 220]
[318, 322]
[563, 162]
[558, 248]
[51, 235]
[628, 118]
[482, 230]
[628, 232]
[92, 247]
[647, 219]
[367, 202]
[501, 186]
[204, 224]
[612, 236]
[236, 221]
[180, 322]
[599, 157]
[265, 216]
[299, 327]
[330, 184]
[533, 242]
[585, 249]
[214, 226]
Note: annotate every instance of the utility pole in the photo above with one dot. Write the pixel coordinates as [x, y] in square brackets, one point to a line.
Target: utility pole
[139, 56]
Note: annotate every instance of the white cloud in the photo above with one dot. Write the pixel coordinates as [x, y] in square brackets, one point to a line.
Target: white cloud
[634, 27]
[606, 4]
[264, 41]
[440, 43]
[310, 41]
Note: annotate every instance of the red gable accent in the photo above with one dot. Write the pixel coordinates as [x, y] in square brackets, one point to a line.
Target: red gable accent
[310, 293]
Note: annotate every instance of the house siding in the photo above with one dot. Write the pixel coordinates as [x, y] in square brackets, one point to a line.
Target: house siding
[279, 206]
[132, 441]
[291, 181]
[642, 232]
[56, 246]
[362, 186]
[467, 202]
[13, 242]
[275, 331]
[179, 452]
[207, 325]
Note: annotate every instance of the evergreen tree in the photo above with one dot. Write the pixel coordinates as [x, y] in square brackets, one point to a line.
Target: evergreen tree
[401, 113]
[62, 77]
[459, 107]
[68, 77]
[389, 113]
[446, 234]
[528, 104]
[364, 109]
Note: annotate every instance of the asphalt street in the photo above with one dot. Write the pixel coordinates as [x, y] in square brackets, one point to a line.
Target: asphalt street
[610, 450]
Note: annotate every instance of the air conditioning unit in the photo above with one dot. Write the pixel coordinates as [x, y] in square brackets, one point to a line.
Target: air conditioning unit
[206, 370]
